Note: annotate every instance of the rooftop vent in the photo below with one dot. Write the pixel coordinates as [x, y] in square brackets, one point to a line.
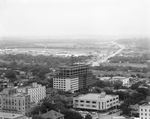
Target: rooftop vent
[102, 94]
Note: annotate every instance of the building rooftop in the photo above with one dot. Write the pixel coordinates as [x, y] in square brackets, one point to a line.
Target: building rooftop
[96, 96]
[119, 77]
[52, 114]
[20, 94]
[73, 65]
[33, 85]
[10, 115]
[145, 105]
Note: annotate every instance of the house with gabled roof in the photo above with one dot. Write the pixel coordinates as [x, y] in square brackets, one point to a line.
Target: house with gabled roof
[53, 115]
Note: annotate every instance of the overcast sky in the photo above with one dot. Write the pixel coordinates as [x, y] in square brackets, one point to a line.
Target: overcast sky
[48, 18]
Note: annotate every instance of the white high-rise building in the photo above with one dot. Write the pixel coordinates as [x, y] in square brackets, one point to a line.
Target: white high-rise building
[145, 111]
[66, 84]
[36, 91]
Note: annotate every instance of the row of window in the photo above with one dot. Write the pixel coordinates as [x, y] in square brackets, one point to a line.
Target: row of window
[112, 99]
[145, 114]
[145, 110]
[88, 105]
[86, 101]
[144, 118]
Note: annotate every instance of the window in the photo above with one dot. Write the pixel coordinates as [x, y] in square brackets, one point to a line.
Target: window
[81, 105]
[93, 106]
[145, 109]
[141, 113]
[76, 100]
[87, 105]
[87, 101]
[141, 109]
[81, 100]
[93, 101]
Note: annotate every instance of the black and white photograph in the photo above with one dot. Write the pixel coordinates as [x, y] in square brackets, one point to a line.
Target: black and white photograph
[74, 59]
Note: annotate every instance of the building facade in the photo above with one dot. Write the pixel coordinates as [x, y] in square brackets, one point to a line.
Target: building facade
[36, 91]
[145, 111]
[81, 72]
[98, 102]
[66, 84]
[14, 102]
[125, 80]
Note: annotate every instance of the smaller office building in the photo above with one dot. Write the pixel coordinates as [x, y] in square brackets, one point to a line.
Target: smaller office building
[36, 91]
[97, 102]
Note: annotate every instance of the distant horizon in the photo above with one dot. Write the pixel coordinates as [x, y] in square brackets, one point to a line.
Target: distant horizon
[96, 37]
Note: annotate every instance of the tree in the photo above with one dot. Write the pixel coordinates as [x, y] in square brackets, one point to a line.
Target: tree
[136, 85]
[37, 117]
[126, 110]
[10, 74]
[71, 114]
[88, 116]
[143, 91]
[117, 84]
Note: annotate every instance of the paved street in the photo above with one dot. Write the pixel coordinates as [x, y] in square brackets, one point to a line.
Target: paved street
[106, 116]
[104, 59]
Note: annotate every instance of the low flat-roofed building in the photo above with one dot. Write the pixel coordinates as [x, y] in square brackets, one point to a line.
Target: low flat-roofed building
[4, 115]
[118, 117]
[125, 80]
[99, 102]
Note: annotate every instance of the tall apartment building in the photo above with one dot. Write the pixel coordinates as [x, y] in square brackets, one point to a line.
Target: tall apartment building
[36, 91]
[97, 102]
[145, 111]
[14, 102]
[77, 76]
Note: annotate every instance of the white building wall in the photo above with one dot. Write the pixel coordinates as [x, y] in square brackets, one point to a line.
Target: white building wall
[145, 112]
[94, 104]
[37, 94]
[66, 84]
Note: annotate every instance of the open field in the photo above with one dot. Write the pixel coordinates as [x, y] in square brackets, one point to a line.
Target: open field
[126, 64]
